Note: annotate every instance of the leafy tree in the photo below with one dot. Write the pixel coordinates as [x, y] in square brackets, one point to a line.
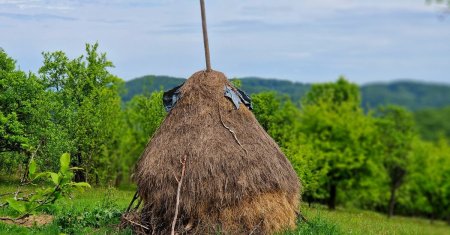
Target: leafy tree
[281, 119]
[339, 132]
[306, 161]
[396, 129]
[277, 115]
[21, 116]
[430, 178]
[143, 116]
[12, 133]
[86, 109]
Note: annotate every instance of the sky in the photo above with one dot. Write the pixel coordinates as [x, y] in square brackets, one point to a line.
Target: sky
[299, 40]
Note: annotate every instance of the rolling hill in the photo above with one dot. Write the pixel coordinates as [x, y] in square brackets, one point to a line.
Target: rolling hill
[411, 94]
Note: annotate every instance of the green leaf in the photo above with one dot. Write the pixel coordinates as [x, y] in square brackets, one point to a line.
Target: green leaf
[16, 205]
[55, 178]
[32, 168]
[28, 207]
[39, 175]
[65, 162]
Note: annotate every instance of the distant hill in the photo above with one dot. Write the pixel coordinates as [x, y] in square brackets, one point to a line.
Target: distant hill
[411, 94]
[148, 84]
[294, 90]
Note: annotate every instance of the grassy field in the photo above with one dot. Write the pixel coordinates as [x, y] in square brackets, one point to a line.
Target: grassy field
[368, 222]
[97, 211]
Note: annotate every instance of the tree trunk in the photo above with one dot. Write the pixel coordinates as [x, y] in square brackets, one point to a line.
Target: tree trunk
[80, 175]
[24, 177]
[391, 202]
[332, 198]
[118, 179]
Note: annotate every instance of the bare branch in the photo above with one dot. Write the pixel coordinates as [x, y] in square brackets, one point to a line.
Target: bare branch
[180, 182]
[135, 223]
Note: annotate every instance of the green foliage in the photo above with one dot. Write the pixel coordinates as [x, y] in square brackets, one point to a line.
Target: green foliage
[433, 123]
[12, 136]
[103, 213]
[19, 95]
[340, 93]
[339, 133]
[86, 110]
[236, 82]
[142, 117]
[396, 131]
[46, 196]
[277, 115]
[429, 180]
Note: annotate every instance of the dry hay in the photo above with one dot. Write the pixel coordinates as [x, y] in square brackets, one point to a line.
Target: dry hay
[236, 181]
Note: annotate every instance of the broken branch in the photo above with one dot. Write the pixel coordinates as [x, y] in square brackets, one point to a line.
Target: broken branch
[180, 182]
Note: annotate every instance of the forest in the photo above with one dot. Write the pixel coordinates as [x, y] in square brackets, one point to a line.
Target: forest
[389, 158]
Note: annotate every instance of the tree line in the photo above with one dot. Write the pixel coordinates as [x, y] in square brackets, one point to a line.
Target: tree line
[343, 154]
[373, 160]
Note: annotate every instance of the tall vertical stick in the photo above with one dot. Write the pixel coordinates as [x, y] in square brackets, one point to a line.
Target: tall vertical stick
[205, 36]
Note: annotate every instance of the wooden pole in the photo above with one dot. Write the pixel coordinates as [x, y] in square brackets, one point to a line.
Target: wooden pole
[205, 36]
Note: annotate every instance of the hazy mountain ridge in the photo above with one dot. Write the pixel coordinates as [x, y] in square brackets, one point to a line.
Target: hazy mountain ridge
[414, 95]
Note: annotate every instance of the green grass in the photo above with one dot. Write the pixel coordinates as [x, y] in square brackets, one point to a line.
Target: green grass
[353, 221]
[97, 211]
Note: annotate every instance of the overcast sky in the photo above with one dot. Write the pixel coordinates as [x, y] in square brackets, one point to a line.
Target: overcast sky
[299, 40]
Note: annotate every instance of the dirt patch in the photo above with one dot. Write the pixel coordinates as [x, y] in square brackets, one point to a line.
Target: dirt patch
[30, 221]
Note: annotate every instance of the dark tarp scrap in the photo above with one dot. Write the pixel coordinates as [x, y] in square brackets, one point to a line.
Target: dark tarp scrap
[171, 97]
[237, 97]
[245, 98]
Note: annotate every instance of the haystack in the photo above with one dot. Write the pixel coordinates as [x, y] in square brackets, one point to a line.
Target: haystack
[232, 177]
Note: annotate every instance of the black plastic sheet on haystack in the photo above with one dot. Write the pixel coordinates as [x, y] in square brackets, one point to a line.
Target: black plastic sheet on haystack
[235, 95]
[171, 97]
